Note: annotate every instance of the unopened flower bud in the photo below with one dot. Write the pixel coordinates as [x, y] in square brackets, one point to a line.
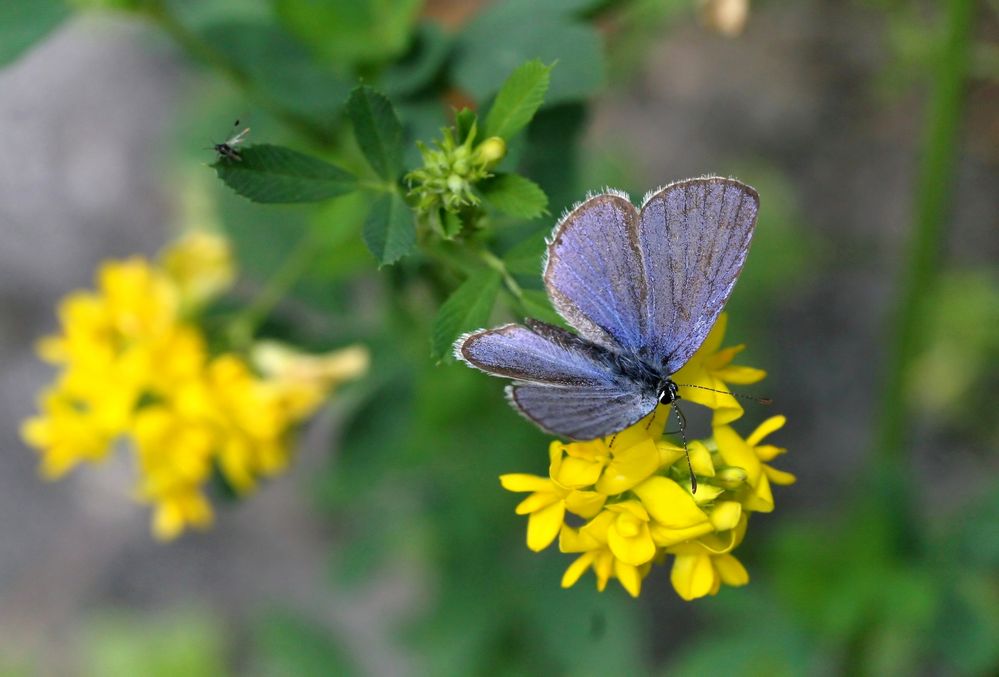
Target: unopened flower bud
[492, 150]
[731, 477]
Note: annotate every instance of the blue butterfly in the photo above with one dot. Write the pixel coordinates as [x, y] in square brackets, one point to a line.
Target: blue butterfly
[641, 287]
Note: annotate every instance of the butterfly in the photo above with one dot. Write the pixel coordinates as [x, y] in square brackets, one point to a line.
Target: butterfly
[642, 287]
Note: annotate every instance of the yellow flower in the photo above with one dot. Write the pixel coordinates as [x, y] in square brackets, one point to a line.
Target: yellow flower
[636, 490]
[700, 567]
[750, 455]
[308, 379]
[201, 265]
[710, 367]
[592, 541]
[132, 368]
[549, 501]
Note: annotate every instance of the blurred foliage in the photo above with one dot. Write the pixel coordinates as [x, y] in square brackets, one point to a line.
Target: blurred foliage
[341, 93]
[180, 643]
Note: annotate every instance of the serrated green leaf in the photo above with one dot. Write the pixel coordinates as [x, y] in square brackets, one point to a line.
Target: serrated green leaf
[518, 100]
[450, 224]
[274, 174]
[466, 309]
[25, 22]
[515, 195]
[377, 130]
[389, 230]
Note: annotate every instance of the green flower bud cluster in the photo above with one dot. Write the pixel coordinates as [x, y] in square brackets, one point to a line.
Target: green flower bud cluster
[451, 169]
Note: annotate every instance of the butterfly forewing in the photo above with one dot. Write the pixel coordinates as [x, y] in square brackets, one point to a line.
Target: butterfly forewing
[694, 236]
[594, 272]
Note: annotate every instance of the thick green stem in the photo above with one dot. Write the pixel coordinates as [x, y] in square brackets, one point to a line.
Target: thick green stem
[933, 197]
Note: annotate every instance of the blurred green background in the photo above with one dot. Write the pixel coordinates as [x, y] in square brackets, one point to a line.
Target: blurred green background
[870, 129]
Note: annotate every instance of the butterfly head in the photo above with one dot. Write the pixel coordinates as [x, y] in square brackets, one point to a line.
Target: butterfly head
[668, 392]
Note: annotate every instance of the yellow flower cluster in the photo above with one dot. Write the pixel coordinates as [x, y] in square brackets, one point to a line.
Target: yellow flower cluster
[134, 367]
[631, 492]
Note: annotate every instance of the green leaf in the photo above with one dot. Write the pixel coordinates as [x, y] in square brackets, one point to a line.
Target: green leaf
[274, 174]
[423, 62]
[466, 309]
[524, 258]
[515, 195]
[535, 303]
[529, 31]
[518, 100]
[290, 645]
[358, 31]
[278, 68]
[389, 230]
[378, 131]
[25, 22]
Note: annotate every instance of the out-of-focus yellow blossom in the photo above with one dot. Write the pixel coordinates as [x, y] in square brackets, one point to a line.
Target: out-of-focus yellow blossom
[634, 490]
[134, 368]
[200, 264]
[711, 367]
[305, 378]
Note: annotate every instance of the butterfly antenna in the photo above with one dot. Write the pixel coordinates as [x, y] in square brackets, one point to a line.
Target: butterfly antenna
[682, 420]
[754, 398]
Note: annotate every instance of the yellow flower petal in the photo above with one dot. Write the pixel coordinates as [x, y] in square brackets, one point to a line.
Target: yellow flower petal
[631, 542]
[629, 467]
[760, 498]
[539, 500]
[768, 426]
[736, 452]
[730, 570]
[692, 576]
[700, 459]
[576, 540]
[669, 504]
[525, 482]
[543, 526]
[586, 504]
[629, 577]
[666, 537]
[577, 472]
[768, 452]
[577, 569]
[726, 515]
[739, 375]
[779, 476]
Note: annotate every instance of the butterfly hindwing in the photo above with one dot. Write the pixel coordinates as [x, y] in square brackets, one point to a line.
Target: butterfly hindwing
[581, 412]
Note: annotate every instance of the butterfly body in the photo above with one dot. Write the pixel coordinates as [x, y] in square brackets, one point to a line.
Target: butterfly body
[641, 287]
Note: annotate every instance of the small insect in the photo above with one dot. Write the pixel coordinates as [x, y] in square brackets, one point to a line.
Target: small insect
[228, 149]
[641, 287]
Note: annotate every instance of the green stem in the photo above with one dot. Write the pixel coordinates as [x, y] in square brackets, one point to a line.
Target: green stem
[498, 265]
[933, 197]
[245, 324]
